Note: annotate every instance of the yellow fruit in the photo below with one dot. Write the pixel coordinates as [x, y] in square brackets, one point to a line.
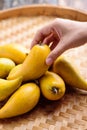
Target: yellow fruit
[66, 68]
[15, 52]
[52, 86]
[22, 101]
[6, 65]
[7, 87]
[15, 69]
[34, 65]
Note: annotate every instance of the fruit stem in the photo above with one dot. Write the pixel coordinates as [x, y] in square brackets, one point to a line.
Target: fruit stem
[55, 90]
[40, 43]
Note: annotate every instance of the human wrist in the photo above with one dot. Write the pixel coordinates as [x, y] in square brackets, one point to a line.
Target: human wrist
[82, 32]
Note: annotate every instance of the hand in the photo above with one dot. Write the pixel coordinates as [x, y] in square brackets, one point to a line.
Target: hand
[60, 35]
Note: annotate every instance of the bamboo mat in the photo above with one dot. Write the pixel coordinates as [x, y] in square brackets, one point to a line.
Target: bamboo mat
[69, 113]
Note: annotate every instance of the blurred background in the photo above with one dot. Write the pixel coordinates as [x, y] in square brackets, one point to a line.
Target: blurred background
[77, 4]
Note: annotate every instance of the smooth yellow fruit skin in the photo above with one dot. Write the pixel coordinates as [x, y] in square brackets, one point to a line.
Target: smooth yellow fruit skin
[7, 87]
[66, 68]
[15, 52]
[6, 65]
[15, 69]
[34, 66]
[52, 86]
[22, 101]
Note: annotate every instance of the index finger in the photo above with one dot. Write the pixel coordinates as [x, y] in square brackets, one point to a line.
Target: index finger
[37, 38]
[40, 35]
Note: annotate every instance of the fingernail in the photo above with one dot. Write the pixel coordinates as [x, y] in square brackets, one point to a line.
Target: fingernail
[49, 61]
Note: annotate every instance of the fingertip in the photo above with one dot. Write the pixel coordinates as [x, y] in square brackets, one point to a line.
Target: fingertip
[49, 61]
[33, 43]
[31, 46]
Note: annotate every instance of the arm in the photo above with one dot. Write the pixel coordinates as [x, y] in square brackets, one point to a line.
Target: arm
[63, 34]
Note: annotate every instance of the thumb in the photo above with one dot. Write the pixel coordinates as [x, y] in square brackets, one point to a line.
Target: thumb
[57, 51]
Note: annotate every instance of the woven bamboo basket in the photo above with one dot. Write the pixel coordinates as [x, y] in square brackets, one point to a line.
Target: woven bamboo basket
[70, 113]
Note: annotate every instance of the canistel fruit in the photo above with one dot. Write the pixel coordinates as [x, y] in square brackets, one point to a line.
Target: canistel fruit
[34, 66]
[52, 86]
[22, 101]
[67, 69]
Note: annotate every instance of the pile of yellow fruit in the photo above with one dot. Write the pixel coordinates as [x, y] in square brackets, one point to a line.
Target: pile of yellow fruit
[20, 69]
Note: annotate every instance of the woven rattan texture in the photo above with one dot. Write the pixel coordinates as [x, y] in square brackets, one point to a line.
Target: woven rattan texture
[69, 113]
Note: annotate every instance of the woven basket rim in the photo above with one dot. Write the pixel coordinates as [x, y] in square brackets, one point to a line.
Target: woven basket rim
[43, 10]
[44, 6]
